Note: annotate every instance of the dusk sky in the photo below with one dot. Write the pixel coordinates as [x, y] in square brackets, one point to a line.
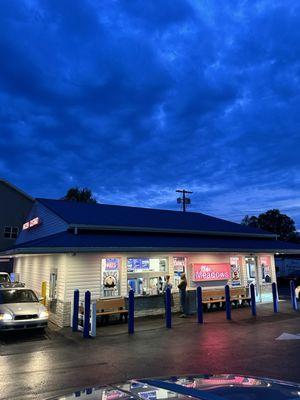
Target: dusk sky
[135, 99]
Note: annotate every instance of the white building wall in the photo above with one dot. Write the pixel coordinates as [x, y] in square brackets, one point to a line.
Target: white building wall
[83, 272]
[35, 269]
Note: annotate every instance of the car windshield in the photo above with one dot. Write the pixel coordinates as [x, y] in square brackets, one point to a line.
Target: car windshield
[17, 296]
[4, 278]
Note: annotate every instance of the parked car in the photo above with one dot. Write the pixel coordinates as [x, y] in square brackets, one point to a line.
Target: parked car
[20, 308]
[297, 292]
[4, 278]
[5, 281]
[206, 387]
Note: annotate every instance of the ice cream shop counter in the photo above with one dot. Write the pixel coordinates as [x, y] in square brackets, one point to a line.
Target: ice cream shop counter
[148, 305]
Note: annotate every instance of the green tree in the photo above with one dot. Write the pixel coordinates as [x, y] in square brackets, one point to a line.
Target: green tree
[275, 222]
[250, 221]
[82, 195]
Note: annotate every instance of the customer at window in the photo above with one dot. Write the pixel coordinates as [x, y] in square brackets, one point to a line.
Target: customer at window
[182, 292]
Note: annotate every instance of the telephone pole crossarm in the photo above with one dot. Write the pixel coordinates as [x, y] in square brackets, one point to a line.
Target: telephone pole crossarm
[183, 200]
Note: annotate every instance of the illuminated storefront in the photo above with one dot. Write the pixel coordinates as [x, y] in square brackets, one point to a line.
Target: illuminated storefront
[111, 249]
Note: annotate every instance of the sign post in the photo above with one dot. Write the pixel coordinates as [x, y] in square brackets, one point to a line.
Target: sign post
[253, 300]
[87, 314]
[131, 312]
[75, 311]
[199, 305]
[228, 304]
[293, 296]
[168, 308]
[275, 297]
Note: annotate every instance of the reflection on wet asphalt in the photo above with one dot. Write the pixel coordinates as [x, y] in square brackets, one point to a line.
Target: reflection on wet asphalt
[35, 365]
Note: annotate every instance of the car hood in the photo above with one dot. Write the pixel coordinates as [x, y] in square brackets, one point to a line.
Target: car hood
[205, 387]
[22, 308]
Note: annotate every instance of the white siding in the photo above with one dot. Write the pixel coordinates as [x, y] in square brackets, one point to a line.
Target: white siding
[83, 273]
[35, 269]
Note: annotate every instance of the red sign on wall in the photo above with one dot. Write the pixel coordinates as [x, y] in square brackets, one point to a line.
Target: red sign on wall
[211, 272]
[30, 224]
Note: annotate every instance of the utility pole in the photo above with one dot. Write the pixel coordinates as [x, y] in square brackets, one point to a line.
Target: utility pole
[183, 200]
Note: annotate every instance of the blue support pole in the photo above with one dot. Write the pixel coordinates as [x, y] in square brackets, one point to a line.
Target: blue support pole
[168, 308]
[87, 314]
[275, 297]
[253, 300]
[199, 305]
[131, 311]
[293, 296]
[75, 311]
[228, 304]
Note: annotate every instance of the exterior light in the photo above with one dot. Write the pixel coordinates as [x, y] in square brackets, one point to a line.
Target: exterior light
[44, 314]
[6, 317]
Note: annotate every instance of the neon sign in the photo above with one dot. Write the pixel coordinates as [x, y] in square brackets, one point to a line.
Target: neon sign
[30, 224]
[211, 272]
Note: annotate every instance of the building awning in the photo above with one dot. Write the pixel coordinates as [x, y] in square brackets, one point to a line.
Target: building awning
[132, 241]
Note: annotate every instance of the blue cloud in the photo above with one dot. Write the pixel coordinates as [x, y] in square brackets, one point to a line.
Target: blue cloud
[135, 99]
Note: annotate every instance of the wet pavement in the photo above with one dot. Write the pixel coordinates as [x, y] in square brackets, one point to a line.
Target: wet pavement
[36, 365]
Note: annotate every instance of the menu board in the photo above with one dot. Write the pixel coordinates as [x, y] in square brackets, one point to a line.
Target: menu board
[138, 264]
[146, 264]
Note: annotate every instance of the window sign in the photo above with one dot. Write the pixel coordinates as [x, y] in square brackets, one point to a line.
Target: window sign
[179, 264]
[32, 223]
[235, 267]
[211, 272]
[138, 264]
[110, 277]
[265, 264]
[146, 264]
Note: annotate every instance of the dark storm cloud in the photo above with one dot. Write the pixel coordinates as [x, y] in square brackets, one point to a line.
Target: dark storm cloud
[136, 98]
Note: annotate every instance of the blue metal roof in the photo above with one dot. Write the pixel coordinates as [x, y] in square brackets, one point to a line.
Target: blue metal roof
[131, 241]
[123, 217]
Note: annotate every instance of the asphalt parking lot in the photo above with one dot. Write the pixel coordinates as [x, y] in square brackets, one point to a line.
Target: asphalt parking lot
[37, 365]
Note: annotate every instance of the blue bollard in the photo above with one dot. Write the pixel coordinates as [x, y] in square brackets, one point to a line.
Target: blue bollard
[275, 297]
[199, 305]
[253, 300]
[168, 308]
[228, 304]
[293, 296]
[131, 311]
[75, 311]
[87, 314]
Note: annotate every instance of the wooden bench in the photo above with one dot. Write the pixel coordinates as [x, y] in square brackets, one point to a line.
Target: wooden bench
[107, 307]
[238, 295]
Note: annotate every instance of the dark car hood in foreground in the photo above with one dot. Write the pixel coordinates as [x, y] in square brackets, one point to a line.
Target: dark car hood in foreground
[205, 387]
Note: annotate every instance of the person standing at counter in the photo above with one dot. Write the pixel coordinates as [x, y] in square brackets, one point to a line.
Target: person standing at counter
[182, 292]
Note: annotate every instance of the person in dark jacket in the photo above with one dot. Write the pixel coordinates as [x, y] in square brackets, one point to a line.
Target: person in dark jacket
[182, 292]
